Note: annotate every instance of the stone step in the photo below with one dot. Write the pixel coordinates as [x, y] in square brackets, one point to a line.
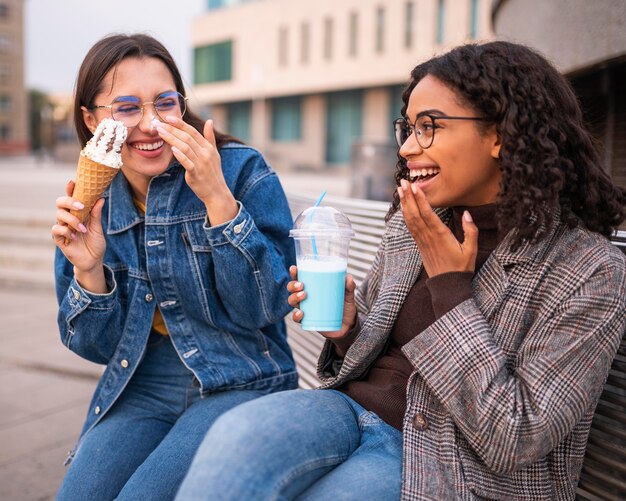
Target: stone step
[11, 278]
[17, 256]
[26, 235]
[13, 217]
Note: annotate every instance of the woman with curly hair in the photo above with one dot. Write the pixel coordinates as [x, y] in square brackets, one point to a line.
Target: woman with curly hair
[472, 356]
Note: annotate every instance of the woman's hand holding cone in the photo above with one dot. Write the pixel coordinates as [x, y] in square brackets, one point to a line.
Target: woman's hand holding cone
[83, 244]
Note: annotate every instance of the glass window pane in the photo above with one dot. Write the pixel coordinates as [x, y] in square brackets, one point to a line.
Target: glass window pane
[239, 119]
[344, 123]
[213, 63]
[441, 20]
[305, 36]
[353, 34]
[380, 29]
[474, 19]
[328, 38]
[408, 25]
[287, 118]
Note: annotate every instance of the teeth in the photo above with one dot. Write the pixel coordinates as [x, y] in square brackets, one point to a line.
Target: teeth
[416, 173]
[149, 147]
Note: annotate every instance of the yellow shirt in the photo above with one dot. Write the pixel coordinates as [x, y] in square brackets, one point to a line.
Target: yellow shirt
[158, 324]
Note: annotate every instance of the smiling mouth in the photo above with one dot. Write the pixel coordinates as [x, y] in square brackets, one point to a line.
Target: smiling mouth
[148, 146]
[422, 174]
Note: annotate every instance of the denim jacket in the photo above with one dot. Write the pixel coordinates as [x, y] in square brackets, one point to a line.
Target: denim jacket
[221, 289]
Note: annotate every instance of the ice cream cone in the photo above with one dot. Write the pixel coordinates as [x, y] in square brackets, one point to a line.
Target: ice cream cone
[92, 178]
[98, 164]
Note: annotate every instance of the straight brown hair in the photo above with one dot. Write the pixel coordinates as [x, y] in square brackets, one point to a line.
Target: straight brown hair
[105, 56]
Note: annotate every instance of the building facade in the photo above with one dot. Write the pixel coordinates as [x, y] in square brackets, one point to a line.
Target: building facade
[303, 81]
[13, 98]
[587, 42]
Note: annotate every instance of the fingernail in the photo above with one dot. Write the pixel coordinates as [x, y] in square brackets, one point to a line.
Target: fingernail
[297, 285]
[175, 150]
[73, 235]
[82, 228]
[467, 216]
[400, 192]
[414, 189]
[300, 294]
[171, 119]
[69, 181]
[161, 130]
[78, 205]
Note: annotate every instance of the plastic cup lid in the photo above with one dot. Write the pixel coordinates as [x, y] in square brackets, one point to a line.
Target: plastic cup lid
[322, 222]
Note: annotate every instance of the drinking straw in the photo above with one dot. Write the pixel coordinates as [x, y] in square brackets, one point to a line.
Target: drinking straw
[321, 197]
[319, 201]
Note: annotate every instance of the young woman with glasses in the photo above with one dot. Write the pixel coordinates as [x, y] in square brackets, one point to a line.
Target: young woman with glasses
[176, 283]
[473, 354]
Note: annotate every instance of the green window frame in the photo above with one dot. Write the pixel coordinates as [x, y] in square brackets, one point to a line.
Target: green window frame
[213, 63]
[239, 119]
[287, 118]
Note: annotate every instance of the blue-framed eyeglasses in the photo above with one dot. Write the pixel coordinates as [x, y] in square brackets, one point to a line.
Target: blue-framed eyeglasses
[129, 109]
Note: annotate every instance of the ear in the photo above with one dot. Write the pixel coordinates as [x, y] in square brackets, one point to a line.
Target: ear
[496, 143]
[89, 119]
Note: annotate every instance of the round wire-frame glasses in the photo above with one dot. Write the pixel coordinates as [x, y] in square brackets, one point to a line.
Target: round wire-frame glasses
[423, 128]
[129, 109]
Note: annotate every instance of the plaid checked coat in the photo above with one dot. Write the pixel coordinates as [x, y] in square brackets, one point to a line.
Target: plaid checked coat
[505, 385]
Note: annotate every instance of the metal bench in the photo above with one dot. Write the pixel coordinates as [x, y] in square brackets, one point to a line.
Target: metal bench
[604, 469]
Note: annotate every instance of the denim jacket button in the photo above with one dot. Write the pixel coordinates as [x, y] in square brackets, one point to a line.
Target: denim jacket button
[97, 410]
[76, 295]
[237, 228]
[149, 297]
[124, 363]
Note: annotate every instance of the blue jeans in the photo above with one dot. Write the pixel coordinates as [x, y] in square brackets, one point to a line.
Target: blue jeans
[144, 445]
[305, 444]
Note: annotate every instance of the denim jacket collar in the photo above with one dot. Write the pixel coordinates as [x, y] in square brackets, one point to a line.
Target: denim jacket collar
[123, 213]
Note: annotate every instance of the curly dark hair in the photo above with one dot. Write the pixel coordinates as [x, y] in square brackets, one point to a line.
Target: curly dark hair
[549, 161]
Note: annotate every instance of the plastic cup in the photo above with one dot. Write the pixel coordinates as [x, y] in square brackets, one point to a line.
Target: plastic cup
[322, 236]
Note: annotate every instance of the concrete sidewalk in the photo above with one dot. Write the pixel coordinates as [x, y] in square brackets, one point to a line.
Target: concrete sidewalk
[45, 388]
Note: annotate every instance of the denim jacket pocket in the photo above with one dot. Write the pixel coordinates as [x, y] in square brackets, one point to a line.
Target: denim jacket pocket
[200, 259]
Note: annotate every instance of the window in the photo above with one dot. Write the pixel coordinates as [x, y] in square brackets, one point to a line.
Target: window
[5, 44]
[473, 31]
[305, 42]
[213, 63]
[408, 25]
[5, 74]
[328, 38]
[283, 45]
[286, 118]
[344, 123]
[380, 29]
[353, 30]
[441, 19]
[395, 106]
[5, 103]
[239, 119]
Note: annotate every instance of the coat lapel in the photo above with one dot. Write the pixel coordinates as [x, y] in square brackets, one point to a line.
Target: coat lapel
[402, 266]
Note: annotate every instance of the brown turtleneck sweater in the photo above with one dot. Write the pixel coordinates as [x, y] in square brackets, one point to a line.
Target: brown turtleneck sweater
[383, 388]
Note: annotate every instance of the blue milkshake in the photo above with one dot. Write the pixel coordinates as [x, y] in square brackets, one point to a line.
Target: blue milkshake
[322, 236]
[324, 284]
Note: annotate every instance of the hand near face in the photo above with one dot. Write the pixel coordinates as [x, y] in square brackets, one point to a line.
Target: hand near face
[198, 154]
[441, 252]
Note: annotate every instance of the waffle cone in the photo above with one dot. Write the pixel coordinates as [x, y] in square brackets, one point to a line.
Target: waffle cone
[92, 178]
